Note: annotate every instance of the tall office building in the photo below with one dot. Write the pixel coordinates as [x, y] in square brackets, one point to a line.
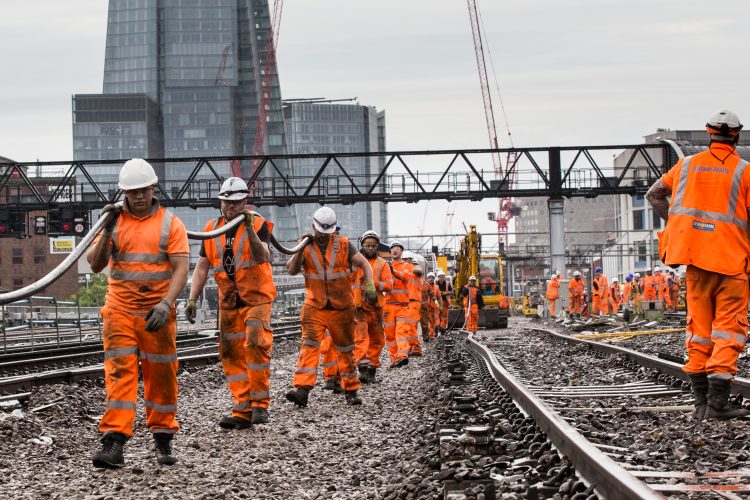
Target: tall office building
[322, 127]
[182, 79]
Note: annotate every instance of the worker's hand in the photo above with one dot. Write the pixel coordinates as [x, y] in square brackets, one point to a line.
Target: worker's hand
[157, 317]
[371, 295]
[190, 310]
[114, 213]
[249, 219]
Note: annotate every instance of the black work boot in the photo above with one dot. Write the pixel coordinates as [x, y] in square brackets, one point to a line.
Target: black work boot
[337, 386]
[233, 422]
[110, 456]
[718, 401]
[330, 384]
[260, 415]
[364, 374]
[298, 396]
[371, 370]
[163, 447]
[352, 398]
[699, 385]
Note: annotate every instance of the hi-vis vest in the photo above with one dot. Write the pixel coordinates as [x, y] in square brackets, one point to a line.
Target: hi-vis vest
[400, 292]
[471, 295]
[327, 277]
[139, 265]
[381, 277]
[253, 282]
[707, 225]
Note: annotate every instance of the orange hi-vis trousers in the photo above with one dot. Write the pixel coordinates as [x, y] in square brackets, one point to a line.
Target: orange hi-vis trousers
[424, 322]
[576, 304]
[369, 337]
[340, 324]
[444, 315]
[599, 305]
[472, 318]
[329, 359]
[397, 320]
[415, 346]
[552, 306]
[717, 324]
[125, 339]
[434, 319]
[245, 348]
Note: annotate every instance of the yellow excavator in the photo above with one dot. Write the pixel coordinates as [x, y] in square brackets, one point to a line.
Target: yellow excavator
[488, 269]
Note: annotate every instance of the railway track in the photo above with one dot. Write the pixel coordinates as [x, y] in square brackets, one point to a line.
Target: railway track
[622, 418]
[199, 350]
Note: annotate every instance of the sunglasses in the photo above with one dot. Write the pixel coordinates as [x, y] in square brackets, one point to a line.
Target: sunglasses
[324, 226]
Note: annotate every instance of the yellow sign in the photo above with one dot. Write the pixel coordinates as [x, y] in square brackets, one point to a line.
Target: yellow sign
[62, 244]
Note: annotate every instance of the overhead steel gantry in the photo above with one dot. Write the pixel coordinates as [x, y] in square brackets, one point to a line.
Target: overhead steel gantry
[403, 176]
[348, 178]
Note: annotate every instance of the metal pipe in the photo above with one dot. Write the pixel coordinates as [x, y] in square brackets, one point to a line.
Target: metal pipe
[58, 271]
[196, 235]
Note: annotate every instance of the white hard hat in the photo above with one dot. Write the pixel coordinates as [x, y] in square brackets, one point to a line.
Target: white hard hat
[637, 275]
[577, 273]
[657, 269]
[430, 275]
[472, 278]
[136, 174]
[396, 243]
[724, 124]
[615, 280]
[407, 255]
[369, 234]
[233, 188]
[648, 270]
[324, 220]
[441, 273]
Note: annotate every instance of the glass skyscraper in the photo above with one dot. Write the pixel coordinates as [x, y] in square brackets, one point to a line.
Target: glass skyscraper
[197, 69]
[316, 128]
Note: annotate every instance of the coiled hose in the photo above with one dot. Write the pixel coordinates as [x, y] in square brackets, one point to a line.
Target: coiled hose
[85, 243]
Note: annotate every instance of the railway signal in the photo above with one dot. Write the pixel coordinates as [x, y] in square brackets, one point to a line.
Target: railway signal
[68, 222]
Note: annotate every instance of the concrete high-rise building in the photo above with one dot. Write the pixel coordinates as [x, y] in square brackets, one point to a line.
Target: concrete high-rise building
[184, 78]
[314, 128]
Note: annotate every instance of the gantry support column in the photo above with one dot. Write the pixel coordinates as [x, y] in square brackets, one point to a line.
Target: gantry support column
[556, 209]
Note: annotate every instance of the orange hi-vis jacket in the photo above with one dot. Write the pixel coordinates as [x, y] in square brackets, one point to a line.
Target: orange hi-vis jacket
[472, 295]
[381, 276]
[428, 294]
[356, 287]
[402, 275]
[648, 285]
[253, 282]
[436, 294]
[626, 292]
[603, 291]
[415, 288]
[139, 267]
[553, 289]
[707, 226]
[614, 291]
[327, 276]
[577, 287]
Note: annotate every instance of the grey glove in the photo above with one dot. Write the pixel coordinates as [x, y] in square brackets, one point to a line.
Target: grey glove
[157, 317]
[115, 210]
[190, 310]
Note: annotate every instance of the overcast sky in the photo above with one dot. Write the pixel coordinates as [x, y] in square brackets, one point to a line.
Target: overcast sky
[572, 72]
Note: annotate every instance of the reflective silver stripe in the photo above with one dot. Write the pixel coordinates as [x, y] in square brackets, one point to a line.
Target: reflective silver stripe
[241, 406]
[389, 324]
[335, 276]
[118, 352]
[239, 251]
[721, 375]
[218, 269]
[330, 364]
[410, 338]
[163, 431]
[332, 262]
[348, 375]
[259, 395]
[729, 217]
[120, 404]
[166, 225]
[258, 366]
[237, 377]
[401, 351]
[233, 335]
[150, 258]
[311, 343]
[253, 322]
[720, 334]
[694, 339]
[406, 320]
[303, 369]
[159, 358]
[398, 290]
[159, 407]
[346, 348]
[382, 284]
[140, 276]
[391, 344]
[364, 362]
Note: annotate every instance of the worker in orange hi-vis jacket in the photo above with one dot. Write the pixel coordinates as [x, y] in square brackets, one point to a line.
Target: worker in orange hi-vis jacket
[446, 294]
[427, 297]
[473, 302]
[648, 286]
[370, 336]
[146, 250]
[329, 305]
[673, 283]
[414, 287]
[614, 299]
[434, 306]
[705, 199]
[576, 290]
[553, 294]
[241, 265]
[600, 293]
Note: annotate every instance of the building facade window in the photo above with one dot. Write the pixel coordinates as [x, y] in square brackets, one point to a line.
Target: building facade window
[17, 256]
[17, 283]
[40, 256]
[638, 219]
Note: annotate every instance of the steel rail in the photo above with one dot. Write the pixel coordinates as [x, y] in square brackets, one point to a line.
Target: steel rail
[197, 235]
[60, 269]
[739, 386]
[608, 477]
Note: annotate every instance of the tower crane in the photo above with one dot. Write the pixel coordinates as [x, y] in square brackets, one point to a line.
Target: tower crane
[505, 208]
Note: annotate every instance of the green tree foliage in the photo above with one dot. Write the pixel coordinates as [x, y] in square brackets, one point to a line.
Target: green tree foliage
[93, 294]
